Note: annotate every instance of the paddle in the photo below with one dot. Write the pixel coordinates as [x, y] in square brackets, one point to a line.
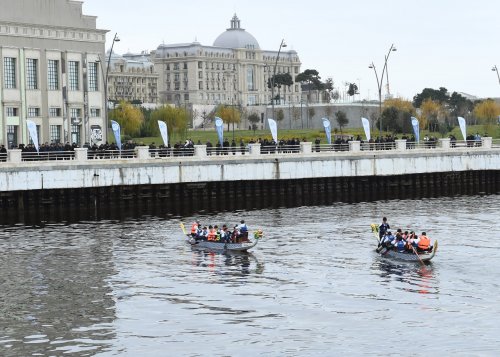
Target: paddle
[418, 256]
[183, 228]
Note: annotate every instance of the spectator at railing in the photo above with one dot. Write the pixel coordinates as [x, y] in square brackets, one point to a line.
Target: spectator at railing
[453, 141]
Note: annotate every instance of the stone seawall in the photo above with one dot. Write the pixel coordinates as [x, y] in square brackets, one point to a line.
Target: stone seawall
[180, 185]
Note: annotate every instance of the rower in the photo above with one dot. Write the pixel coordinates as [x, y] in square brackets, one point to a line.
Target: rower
[423, 243]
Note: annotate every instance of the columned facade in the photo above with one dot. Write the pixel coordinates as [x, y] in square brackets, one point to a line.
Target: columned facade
[234, 71]
[50, 73]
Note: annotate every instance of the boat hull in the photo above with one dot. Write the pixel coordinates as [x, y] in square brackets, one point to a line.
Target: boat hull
[409, 257]
[219, 246]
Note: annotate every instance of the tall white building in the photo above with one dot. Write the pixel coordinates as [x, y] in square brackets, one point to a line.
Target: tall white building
[234, 71]
[50, 72]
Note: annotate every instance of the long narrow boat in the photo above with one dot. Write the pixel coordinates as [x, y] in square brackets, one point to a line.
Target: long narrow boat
[406, 256]
[221, 246]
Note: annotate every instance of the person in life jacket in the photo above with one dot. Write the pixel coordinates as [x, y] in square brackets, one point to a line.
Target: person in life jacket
[423, 242]
[243, 229]
[194, 229]
[211, 233]
[217, 233]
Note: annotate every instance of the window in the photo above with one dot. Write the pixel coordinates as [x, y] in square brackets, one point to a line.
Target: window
[33, 112]
[200, 64]
[176, 66]
[74, 75]
[186, 97]
[75, 114]
[76, 134]
[200, 74]
[54, 112]
[32, 73]
[12, 111]
[200, 85]
[185, 65]
[92, 74]
[9, 72]
[250, 82]
[53, 74]
[95, 112]
[55, 134]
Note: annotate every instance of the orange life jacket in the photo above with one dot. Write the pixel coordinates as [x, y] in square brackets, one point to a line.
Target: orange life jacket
[211, 234]
[424, 242]
[194, 228]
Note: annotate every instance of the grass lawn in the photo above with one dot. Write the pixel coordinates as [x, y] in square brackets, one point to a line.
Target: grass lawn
[303, 134]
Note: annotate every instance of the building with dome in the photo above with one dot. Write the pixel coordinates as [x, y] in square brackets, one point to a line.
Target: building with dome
[234, 71]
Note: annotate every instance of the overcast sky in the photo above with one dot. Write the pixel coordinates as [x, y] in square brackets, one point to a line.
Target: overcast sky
[440, 43]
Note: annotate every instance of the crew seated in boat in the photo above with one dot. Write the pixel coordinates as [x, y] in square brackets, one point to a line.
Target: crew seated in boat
[195, 229]
[387, 240]
[423, 243]
[203, 233]
[211, 233]
[398, 243]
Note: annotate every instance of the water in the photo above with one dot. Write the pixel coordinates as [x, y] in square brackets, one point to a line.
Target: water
[312, 287]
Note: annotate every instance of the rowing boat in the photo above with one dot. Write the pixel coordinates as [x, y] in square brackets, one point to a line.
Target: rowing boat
[242, 246]
[412, 256]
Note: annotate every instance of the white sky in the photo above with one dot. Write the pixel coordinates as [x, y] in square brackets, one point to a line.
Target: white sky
[440, 43]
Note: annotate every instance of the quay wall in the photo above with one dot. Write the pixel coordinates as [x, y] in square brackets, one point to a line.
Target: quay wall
[95, 189]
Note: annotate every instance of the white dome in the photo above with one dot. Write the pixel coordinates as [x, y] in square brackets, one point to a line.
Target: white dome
[236, 37]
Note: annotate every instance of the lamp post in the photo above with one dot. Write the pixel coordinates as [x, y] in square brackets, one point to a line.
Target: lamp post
[282, 44]
[495, 69]
[115, 39]
[380, 83]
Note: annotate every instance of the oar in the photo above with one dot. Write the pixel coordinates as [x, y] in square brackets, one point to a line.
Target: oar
[418, 256]
[375, 231]
[183, 228]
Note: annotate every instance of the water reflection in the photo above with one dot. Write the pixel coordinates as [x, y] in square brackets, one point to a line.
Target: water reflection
[227, 263]
[414, 276]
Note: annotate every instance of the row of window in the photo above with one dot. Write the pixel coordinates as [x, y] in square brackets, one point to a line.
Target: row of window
[53, 74]
[54, 112]
[54, 134]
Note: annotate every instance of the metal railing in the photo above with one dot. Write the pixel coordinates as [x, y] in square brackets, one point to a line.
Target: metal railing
[235, 150]
[378, 146]
[47, 155]
[111, 154]
[495, 143]
[330, 148]
[3, 157]
[171, 152]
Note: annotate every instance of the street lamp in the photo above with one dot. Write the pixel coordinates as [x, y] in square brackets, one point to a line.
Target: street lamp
[282, 44]
[380, 83]
[495, 69]
[115, 39]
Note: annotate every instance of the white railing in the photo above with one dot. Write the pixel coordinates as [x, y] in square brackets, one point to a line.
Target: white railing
[111, 154]
[47, 155]
[253, 150]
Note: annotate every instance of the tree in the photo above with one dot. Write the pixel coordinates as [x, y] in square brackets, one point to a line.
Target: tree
[353, 89]
[459, 105]
[396, 115]
[129, 117]
[176, 119]
[229, 114]
[311, 78]
[280, 79]
[341, 119]
[487, 112]
[311, 113]
[440, 95]
[431, 112]
[254, 119]
[280, 115]
[296, 114]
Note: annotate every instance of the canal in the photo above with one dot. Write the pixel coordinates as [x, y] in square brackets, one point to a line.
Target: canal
[312, 286]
